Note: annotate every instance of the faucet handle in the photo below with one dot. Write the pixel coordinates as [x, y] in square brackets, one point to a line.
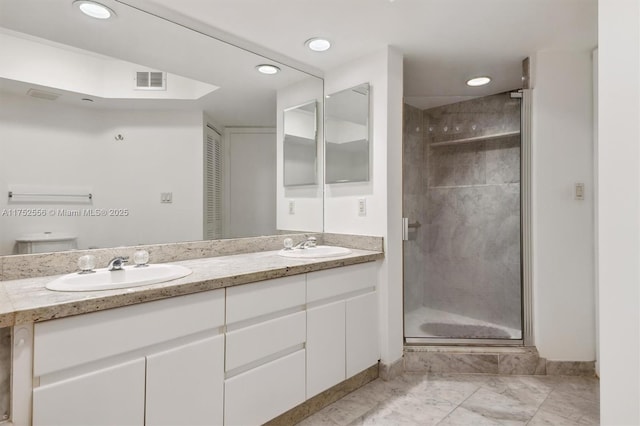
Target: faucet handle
[311, 241]
[86, 264]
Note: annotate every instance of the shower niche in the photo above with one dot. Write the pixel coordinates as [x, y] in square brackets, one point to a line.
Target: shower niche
[461, 198]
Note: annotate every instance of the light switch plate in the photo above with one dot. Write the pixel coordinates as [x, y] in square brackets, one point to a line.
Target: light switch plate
[362, 207]
[579, 191]
[292, 207]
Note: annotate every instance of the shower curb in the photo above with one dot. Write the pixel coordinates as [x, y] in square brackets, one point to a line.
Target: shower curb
[523, 360]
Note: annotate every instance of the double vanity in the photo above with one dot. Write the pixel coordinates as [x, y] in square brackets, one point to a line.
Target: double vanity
[240, 340]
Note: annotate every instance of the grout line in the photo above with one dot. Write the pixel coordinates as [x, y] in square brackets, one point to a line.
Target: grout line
[460, 405]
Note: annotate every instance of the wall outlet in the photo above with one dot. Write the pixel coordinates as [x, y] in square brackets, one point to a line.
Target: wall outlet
[362, 207]
[292, 207]
[579, 191]
[166, 197]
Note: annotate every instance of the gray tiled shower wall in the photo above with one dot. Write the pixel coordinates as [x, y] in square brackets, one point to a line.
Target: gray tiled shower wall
[466, 254]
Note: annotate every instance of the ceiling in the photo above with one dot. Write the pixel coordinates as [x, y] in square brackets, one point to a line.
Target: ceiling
[444, 42]
[244, 97]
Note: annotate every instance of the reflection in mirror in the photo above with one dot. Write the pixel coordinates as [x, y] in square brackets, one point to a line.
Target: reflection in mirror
[172, 132]
[300, 146]
[347, 135]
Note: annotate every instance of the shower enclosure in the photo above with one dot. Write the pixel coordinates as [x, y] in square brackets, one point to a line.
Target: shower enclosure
[461, 201]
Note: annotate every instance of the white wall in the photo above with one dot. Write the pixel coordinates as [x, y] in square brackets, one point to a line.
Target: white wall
[619, 210]
[383, 193]
[307, 199]
[563, 242]
[251, 172]
[55, 147]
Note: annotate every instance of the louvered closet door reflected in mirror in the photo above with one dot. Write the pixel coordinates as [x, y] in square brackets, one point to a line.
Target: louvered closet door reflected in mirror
[213, 185]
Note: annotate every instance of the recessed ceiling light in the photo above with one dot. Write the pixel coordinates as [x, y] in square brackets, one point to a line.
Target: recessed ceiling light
[318, 44]
[478, 81]
[267, 69]
[93, 9]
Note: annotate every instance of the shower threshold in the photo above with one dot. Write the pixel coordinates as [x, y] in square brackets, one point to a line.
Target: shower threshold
[430, 326]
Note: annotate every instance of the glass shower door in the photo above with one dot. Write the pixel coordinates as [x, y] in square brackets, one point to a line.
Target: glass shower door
[462, 257]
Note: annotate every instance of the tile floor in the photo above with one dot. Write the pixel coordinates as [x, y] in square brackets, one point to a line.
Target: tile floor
[467, 399]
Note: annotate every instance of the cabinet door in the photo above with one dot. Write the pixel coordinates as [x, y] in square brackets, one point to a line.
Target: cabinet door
[111, 396]
[362, 333]
[325, 347]
[185, 384]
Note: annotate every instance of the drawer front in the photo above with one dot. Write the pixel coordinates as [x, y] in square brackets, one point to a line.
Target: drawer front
[265, 392]
[337, 281]
[258, 341]
[68, 342]
[253, 300]
[112, 396]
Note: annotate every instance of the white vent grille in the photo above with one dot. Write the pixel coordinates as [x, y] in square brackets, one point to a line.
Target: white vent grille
[151, 80]
[213, 185]
[42, 94]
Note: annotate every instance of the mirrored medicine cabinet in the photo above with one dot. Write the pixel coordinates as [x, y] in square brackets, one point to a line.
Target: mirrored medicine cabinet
[300, 145]
[347, 141]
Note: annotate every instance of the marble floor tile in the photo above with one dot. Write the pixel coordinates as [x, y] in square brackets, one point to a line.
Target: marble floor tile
[466, 399]
[463, 417]
[504, 408]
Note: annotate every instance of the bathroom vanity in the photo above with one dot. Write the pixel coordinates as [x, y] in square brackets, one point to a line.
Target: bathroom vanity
[240, 341]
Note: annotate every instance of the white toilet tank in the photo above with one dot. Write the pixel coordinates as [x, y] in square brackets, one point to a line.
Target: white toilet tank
[46, 242]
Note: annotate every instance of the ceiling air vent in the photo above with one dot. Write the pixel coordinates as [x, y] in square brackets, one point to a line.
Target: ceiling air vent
[151, 80]
[42, 94]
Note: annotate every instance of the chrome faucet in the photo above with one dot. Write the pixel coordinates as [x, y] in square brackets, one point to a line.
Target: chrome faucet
[117, 263]
[310, 242]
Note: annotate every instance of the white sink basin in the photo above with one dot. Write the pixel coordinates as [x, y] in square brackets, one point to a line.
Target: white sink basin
[130, 276]
[315, 252]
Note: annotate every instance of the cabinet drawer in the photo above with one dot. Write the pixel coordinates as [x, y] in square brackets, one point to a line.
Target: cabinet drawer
[337, 281]
[266, 338]
[263, 298]
[68, 342]
[260, 394]
[112, 396]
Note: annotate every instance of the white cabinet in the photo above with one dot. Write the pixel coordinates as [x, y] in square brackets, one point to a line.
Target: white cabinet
[236, 356]
[342, 325]
[361, 333]
[108, 396]
[185, 384]
[156, 363]
[325, 347]
[265, 355]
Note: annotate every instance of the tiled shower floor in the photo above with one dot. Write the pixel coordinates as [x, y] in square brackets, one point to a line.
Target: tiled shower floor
[466, 399]
[427, 322]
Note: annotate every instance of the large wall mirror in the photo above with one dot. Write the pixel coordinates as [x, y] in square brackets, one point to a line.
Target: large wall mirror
[136, 130]
[347, 135]
[300, 145]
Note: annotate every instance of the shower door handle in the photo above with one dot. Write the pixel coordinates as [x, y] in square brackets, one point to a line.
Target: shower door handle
[405, 229]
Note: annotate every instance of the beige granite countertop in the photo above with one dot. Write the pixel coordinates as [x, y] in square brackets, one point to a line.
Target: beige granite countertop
[27, 300]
